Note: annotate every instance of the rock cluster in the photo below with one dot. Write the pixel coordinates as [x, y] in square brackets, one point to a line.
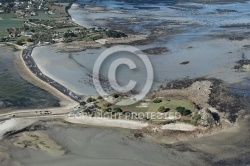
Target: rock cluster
[207, 118]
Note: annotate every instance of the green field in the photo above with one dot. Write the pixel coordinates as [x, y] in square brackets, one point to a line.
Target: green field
[8, 16]
[153, 107]
[10, 21]
[65, 29]
[44, 16]
[5, 24]
[172, 104]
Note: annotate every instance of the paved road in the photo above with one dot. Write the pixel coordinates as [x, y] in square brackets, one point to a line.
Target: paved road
[42, 113]
[31, 64]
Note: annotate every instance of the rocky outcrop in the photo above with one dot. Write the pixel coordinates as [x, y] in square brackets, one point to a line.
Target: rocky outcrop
[198, 92]
[205, 93]
[207, 118]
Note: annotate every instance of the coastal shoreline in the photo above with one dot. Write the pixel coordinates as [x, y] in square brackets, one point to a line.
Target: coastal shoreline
[31, 64]
[26, 73]
[28, 70]
[65, 101]
[70, 136]
[67, 105]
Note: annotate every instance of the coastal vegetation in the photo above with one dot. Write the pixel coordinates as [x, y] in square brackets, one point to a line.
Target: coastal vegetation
[178, 110]
[168, 105]
[92, 34]
[157, 100]
[82, 103]
[45, 22]
[183, 111]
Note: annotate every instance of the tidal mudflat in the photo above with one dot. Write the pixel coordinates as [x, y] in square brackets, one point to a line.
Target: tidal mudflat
[211, 37]
[84, 145]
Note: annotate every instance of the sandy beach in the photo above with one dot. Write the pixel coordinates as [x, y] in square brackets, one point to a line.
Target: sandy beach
[67, 105]
[105, 122]
[39, 140]
[30, 77]
[112, 146]
[16, 92]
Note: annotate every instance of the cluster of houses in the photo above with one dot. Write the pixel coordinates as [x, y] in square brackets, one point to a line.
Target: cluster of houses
[24, 8]
[30, 4]
[23, 13]
[34, 25]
